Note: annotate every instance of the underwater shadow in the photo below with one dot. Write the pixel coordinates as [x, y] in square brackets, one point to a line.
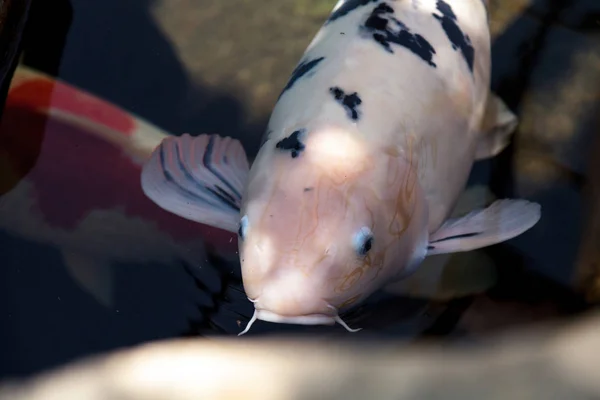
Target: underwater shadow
[517, 55]
[46, 34]
[14, 17]
[117, 51]
[41, 45]
[547, 29]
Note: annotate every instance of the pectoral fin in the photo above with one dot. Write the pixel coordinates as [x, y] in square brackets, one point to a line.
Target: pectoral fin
[502, 220]
[496, 128]
[199, 178]
[446, 276]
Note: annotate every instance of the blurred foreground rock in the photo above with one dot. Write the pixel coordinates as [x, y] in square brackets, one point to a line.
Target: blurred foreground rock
[556, 362]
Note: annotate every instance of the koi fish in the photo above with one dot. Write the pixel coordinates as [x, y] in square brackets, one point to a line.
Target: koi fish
[366, 153]
[71, 164]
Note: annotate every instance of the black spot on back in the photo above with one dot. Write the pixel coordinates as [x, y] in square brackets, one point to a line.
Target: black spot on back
[380, 26]
[348, 7]
[292, 143]
[456, 36]
[349, 101]
[302, 69]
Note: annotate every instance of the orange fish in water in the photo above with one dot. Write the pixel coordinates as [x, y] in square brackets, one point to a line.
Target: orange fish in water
[366, 154]
[73, 163]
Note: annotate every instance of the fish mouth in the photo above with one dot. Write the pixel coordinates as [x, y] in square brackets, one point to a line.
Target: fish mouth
[309, 319]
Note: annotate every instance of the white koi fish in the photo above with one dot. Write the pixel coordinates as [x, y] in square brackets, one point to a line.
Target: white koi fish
[366, 153]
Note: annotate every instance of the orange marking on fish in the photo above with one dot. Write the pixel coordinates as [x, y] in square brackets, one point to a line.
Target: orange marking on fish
[350, 280]
[43, 94]
[350, 301]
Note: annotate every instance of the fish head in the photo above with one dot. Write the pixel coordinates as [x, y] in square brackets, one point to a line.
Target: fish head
[321, 232]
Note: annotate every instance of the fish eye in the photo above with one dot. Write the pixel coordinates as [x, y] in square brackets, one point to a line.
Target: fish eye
[243, 228]
[363, 241]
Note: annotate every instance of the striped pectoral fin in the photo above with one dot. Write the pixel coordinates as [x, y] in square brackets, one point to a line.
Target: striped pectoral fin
[198, 178]
[446, 276]
[496, 128]
[501, 221]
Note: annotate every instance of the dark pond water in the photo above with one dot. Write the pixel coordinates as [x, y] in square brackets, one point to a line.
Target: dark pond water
[217, 66]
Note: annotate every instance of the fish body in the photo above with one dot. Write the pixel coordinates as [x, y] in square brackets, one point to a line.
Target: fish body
[366, 153]
[413, 89]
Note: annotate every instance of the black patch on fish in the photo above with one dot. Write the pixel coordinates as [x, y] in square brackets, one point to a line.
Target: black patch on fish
[464, 235]
[379, 27]
[456, 36]
[349, 101]
[292, 143]
[308, 189]
[301, 69]
[348, 7]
